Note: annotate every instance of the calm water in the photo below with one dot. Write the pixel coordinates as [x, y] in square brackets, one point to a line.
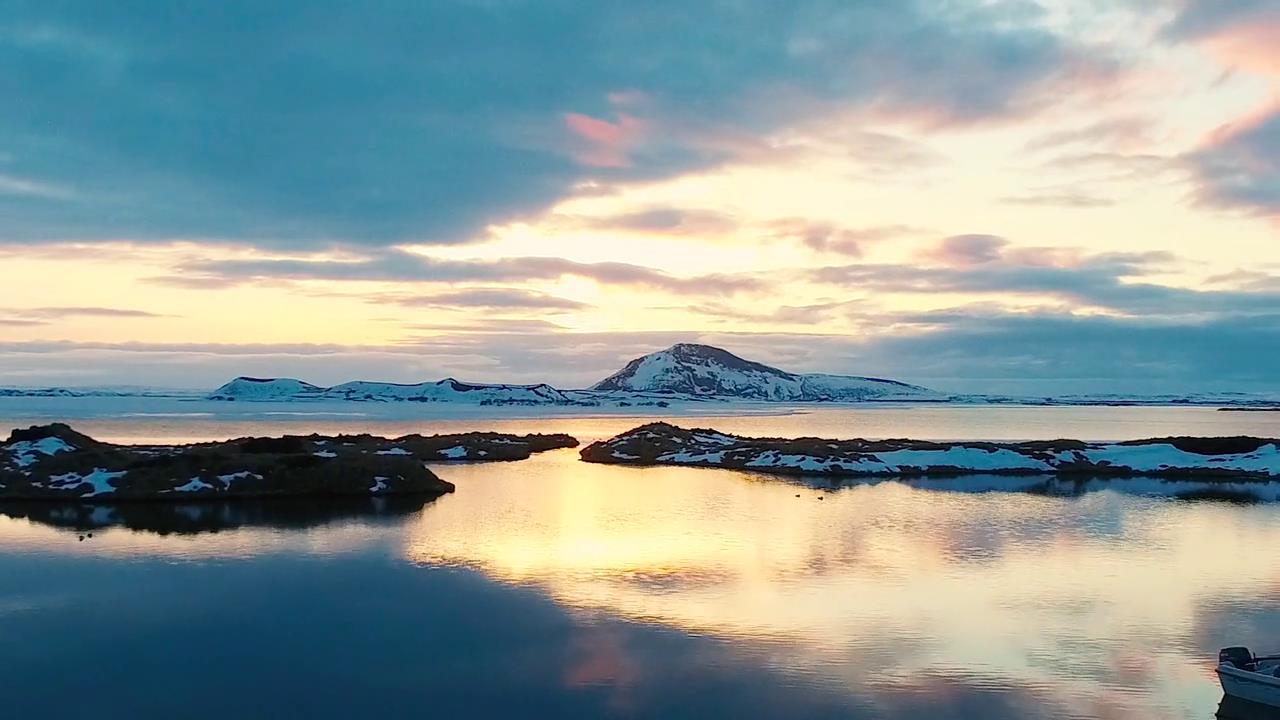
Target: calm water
[553, 588]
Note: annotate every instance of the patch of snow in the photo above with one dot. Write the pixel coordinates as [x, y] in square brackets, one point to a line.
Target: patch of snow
[24, 452]
[394, 451]
[1162, 456]
[1065, 457]
[379, 484]
[685, 456]
[454, 453]
[808, 463]
[325, 454]
[99, 481]
[192, 485]
[229, 478]
[965, 458]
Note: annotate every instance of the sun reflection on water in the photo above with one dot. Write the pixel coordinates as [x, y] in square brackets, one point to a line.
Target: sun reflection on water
[877, 584]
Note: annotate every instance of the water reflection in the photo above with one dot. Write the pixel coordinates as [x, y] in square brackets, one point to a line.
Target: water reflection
[1235, 709]
[1243, 492]
[553, 588]
[189, 518]
[1084, 598]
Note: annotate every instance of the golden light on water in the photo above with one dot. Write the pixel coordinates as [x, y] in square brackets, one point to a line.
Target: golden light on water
[875, 585]
[989, 581]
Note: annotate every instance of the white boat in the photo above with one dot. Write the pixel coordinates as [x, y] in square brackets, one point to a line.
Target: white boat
[1248, 677]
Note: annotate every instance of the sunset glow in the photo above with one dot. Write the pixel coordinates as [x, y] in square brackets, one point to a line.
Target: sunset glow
[1046, 177]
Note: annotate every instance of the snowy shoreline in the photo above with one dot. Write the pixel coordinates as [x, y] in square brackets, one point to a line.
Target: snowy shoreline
[664, 444]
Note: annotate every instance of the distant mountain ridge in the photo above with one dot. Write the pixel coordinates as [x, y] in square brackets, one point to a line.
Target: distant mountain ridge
[447, 390]
[703, 370]
[685, 371]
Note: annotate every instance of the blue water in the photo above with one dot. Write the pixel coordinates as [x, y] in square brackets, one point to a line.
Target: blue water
[551, 588]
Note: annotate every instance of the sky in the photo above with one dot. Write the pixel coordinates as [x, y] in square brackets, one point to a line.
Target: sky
[1011, 196]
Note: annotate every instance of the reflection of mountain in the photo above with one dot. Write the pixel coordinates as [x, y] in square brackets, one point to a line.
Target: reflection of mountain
[199, 517]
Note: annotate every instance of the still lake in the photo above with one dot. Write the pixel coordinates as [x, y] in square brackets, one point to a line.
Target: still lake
[552, 588]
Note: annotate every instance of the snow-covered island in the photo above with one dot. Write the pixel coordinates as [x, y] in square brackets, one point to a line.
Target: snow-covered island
[1180, 457]
[56, 462]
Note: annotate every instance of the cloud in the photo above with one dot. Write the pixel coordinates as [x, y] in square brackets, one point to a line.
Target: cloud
[43, 315]
[712, 224]
[662, 220]
[1243, 34]
[972, 249]
[485, 298]
[399, 266]
[1064, 199]
[831, 238]
[429, 122]
[10, 185]
[1252, 280]
[1110, 281]
[1201, 18]
[605, 144]
[809, 314]
[1120, 166]
[61, 312]
[1120, 131]
[1049, 354]
[1240, 168]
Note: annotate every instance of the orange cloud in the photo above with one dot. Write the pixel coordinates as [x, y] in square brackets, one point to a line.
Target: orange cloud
[1251, 44]
[1253, 47]
[603, 143]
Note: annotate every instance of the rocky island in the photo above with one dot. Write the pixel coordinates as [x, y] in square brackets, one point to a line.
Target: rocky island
[54, 462]
[1246, 458]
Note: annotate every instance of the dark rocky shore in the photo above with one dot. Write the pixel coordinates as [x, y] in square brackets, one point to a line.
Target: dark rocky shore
[54, 462]
[1245, 458]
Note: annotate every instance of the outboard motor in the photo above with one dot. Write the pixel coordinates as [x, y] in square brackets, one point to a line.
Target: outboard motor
[1239, 657]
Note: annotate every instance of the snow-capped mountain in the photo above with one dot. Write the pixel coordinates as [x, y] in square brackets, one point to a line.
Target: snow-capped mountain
[684, 372]
[447, 390]
[709, 371]
[92, 392]
[251, 388]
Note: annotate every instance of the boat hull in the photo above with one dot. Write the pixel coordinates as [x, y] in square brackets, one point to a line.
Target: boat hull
[1251, 686]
